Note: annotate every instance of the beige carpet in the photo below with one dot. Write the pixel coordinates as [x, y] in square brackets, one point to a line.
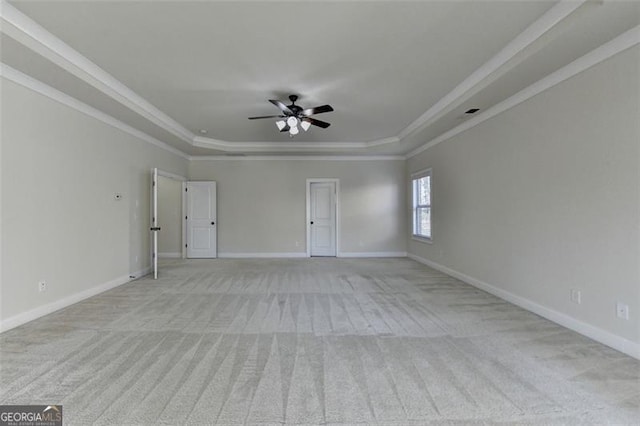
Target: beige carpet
[312, 341]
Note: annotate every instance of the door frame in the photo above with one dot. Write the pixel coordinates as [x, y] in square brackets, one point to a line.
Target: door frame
[182, 179]
[337, 207]
[184, 216]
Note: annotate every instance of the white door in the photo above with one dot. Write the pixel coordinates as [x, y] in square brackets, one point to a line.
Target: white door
[201, 220]
[323, 218]
[154, 222]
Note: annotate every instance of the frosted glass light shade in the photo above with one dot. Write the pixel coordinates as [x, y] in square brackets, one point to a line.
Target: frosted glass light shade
[294, 131]
[305, 125]
[281, 124]
[292, 122]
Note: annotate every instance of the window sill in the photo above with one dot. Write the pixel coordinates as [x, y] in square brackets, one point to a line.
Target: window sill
[422, 239]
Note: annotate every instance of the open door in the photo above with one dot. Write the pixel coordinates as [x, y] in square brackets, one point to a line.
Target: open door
[154, 222]
[157, 200]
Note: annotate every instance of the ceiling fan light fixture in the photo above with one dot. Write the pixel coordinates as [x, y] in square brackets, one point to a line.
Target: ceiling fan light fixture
[292, 122]
[292, 117]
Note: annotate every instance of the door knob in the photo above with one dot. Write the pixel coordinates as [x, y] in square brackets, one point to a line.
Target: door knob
[213, 223]
[312, 222]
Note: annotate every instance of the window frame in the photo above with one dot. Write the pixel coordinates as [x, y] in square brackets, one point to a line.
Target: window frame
[415, 177]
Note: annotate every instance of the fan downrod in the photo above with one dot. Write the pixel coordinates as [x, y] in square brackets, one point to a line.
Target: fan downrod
[293, 98]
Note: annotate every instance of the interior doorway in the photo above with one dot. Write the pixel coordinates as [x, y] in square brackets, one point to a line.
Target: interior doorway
[183, 218]
[322, 217]
[167, 230]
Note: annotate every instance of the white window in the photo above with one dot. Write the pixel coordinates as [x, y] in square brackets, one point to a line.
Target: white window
[421, 189]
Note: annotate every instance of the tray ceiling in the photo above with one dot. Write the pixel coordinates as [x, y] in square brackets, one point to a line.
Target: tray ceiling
[394, 71]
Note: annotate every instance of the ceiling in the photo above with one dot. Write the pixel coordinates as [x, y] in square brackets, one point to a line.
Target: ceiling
[397, 73]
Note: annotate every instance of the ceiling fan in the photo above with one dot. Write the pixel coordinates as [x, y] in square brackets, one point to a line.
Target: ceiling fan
[294, 115]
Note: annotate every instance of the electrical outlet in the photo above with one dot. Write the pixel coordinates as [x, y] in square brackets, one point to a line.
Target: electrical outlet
[42, 286]
[622, 310]
[576, 296]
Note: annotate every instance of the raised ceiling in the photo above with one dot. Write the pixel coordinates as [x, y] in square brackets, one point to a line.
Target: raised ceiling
[397, 73]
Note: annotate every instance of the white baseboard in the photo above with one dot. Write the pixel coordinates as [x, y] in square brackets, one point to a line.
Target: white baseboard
[374, 254]
[260, 255]
[141, 273]
[25, 317]
[299, 255]
[169, 255]
[599, 335]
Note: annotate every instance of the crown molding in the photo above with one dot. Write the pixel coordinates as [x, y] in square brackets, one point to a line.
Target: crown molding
[205, 142]
[37, 86]
[31, 34]
[299, 158]
[623, 42]
[28, 32]
[31, 83]
[385, 141]
[481, 76]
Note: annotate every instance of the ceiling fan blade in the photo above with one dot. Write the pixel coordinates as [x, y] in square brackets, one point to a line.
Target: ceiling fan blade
[282, 106]
[318, 123]
[265, 116]
[317, 110]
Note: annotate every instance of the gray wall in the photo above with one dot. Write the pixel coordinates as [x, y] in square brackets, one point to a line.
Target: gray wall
[544, 198]
[60, 221]
[262, 207]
